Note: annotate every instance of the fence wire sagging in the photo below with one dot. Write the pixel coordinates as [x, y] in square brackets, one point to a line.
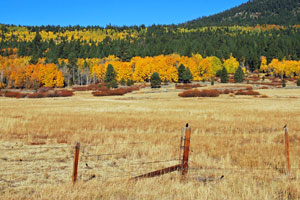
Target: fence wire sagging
[85, 162]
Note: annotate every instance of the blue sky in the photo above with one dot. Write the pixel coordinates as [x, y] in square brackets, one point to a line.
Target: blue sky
[114, 12]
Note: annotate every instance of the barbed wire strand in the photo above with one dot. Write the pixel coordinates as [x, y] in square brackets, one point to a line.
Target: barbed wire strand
[112, 144]
[35, 148]
[111, 164]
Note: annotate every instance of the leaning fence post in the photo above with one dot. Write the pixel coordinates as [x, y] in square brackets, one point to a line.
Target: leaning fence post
[287, 149]
[75, 166]
[185, 160]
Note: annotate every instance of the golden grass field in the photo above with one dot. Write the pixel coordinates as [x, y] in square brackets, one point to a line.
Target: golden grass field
[240, 137]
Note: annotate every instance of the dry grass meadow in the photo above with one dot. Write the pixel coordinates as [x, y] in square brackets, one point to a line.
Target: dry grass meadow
[240, 137]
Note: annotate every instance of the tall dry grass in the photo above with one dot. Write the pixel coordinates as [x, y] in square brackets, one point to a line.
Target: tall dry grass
[240, 138]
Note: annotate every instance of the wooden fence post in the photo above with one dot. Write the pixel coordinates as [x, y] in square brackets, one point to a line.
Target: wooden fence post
[287, 149]
[185, 160]
[181, 146]
[75, 166]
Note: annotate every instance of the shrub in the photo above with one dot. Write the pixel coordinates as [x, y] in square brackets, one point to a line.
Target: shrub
[227, 91]
[100, 93]
[298, 82]
[209, 93]
[36, 95]
[283, 83]
[103, 88]
[87, 88]
[112, 84]
[190, 93]
[44, 89]
[11, 94]
[21, 95]
[263, 96]
[123, 82]
[247, 92]
[263, 87]
[187, 86]
[129, 82]
[52, 94]
[155, 80]
[249, 88]
[120, 91]
[197, 93]
[64, 93]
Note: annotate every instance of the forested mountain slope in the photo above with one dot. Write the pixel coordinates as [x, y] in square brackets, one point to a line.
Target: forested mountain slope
[279, 12]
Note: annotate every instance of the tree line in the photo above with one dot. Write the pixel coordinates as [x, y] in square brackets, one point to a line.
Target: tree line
[246, 44]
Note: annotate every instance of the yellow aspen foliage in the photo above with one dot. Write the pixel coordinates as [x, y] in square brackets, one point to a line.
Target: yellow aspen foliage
[231, 64]
[59, 79]
[62, 60]
[2, 85]
[50, 77]
[142, 68]
[98, 70]
[216, 64]
[275, 66]
[206, 69]
[263, 65]
[19, 77]
[80, 62]
[123, 69]
[289, 68]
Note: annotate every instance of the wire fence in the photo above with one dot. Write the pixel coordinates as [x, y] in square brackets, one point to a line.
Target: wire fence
[113, 161]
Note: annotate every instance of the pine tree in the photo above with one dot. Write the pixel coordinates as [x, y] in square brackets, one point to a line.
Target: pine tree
[123, 82]
[224, 75]
[239, 75]
[283, 82]
[187, 76]
[110, 74]
[181, 70]
[155, 80]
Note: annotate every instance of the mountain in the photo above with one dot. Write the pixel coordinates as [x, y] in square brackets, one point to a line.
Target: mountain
[252, 13]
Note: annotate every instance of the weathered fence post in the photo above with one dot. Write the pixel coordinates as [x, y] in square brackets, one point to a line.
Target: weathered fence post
[75, 166]
[185, 159]
[287, 149]
[181, 146]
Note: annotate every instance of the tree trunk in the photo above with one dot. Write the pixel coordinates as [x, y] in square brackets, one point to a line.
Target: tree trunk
[78, 81]
[73, 75]
[87, 79]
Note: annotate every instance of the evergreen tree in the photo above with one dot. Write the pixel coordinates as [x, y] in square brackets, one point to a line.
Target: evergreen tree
[37, 40]
[239, 75]
[181, 70]
[129, 82]
[298, 82]
[155, 80]
[283, 82]
[224, 75]
[123, 82]
[187, 76]
[110, 74]
[22, 50]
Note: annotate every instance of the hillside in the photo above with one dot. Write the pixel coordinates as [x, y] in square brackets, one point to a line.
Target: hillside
[279, 12]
